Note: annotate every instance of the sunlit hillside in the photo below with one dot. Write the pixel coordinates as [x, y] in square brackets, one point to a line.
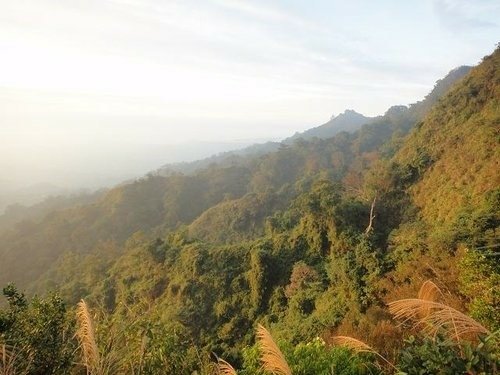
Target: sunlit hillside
[311, 240]
[249, 187]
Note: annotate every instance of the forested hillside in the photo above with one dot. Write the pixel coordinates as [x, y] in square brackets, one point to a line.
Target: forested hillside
[162, 202]
[312, 241]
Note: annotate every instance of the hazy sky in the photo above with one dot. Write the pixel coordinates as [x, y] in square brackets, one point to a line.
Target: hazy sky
[88, 78]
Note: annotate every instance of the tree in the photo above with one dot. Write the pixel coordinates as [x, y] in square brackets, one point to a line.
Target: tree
[40, 331]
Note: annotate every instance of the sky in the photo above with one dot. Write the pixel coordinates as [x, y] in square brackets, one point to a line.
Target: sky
[95, 88]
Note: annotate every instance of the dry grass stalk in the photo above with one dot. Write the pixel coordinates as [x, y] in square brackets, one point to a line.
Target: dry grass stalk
[106, 362]
[356, 345]
[225, 368]
[6, 362]
[8, 359]
[428, 292]
[4, 353]
[441, 317]
[272, 358]
[86, 337]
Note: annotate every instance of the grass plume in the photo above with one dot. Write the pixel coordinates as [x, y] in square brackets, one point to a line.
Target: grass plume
[272, 358]
[433, 317]
[358, 346]
[225, 368]
[428, 292]
[86, 337]
[355, 345]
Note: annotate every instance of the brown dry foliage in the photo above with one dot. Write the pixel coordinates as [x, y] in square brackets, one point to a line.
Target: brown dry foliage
[374, 326]
[385, 337]
[429, 291]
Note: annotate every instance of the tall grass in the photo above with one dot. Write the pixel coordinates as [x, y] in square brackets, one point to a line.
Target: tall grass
[359, 346]
[86, 337]
[9, 363]
[428, 292]
[430, 316]
[6, 362]
[272, 358]
[95, 362]
[441, 318]
[224, 368]
[355, 345]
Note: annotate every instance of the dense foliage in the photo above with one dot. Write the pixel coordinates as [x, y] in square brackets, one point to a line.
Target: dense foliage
[312, 240]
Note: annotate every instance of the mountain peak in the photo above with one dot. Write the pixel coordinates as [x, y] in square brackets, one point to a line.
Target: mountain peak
[350, 111]
[349, 121]
[346, 113]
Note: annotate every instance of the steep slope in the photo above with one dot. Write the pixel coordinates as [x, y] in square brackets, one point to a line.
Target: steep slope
[456, 150]
[447, 171]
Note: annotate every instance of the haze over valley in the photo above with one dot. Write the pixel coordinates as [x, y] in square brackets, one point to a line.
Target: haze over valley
[154, 83]
[230, 187]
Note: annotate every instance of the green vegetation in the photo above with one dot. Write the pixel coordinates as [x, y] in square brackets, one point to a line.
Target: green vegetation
[311, 240]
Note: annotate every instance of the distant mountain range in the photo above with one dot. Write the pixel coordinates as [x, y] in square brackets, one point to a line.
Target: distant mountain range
[28, 195]
[349, 121]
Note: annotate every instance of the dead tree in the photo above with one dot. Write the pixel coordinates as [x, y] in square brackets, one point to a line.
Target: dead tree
[369, 228]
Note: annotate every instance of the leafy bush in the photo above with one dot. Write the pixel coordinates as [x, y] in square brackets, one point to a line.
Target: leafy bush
[440, 356]
[40, 331]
